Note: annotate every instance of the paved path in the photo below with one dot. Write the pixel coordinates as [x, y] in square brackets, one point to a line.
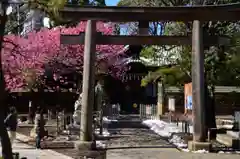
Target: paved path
[32, 153]
[152, 146]
[131, 132]
[140, 153]
[135, 137]
[164, 153]
[131, 137]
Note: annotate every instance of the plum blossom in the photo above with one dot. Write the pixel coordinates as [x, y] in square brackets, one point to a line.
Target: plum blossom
[26, 58]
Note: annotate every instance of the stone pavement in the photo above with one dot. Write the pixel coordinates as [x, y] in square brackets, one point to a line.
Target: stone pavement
[164, 153]
[32, 153]
[125, 153]
[136, 137]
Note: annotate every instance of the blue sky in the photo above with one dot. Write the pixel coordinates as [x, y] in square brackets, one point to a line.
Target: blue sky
[111, 2]
[122, 29]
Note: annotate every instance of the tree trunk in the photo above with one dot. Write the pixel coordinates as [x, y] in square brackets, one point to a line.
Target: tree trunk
[5, 142]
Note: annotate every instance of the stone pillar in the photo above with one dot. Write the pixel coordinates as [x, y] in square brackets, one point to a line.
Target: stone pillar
[88, 82]
[199, 129]
[160, 99]
[198, 82]
[99, 103]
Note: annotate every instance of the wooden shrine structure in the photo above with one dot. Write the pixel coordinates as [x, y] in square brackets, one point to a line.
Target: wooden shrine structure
[144, 15]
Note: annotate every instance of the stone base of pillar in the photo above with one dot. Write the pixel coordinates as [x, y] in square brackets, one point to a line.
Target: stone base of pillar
[84, 145]
[88, 150]
[195, 146]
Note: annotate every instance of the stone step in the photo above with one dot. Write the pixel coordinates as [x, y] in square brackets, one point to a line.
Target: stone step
[101, 137]
[57, 144]
[229, 140]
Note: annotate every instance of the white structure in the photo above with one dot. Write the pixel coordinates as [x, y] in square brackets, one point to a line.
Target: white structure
[77, 111]
[35, 19]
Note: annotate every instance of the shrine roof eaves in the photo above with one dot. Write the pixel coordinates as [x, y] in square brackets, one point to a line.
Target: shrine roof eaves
[180, 13]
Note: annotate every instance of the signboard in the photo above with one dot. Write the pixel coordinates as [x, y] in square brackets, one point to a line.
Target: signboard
[189, 102]
[171, 104]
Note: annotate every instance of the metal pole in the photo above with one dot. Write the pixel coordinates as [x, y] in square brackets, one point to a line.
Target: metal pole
[88, 82]
[199, 134]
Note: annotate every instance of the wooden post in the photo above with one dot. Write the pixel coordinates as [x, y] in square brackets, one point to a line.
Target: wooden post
[199, 134]
[88, 82]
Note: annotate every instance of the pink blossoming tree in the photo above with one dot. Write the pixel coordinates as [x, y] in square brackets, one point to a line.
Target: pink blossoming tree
[27, 60]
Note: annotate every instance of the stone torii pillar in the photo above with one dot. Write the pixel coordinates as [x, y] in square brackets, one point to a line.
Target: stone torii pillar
[86, 132]
[199, 129]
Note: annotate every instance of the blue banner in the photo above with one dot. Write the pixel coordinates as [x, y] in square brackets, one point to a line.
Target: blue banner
[189, 102]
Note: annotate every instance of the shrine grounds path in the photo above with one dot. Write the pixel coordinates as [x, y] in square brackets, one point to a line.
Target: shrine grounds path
[142, 143]
[135, 153]
[164, 153]
[130, 142]
[30, 152]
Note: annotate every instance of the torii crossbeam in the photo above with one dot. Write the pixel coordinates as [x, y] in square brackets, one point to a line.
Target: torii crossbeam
[182, 13]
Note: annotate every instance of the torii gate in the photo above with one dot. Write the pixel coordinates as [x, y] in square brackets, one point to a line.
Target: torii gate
[144, 15]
